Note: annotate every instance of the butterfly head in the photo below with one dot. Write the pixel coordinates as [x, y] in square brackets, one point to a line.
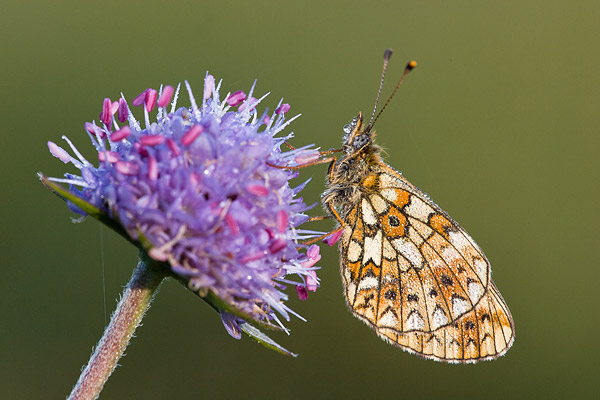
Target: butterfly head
[356, 135]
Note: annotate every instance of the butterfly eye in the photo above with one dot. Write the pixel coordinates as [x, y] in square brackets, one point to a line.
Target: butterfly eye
[360, 141]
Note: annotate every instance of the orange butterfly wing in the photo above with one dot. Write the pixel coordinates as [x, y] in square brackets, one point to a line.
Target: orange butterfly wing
[417, 278]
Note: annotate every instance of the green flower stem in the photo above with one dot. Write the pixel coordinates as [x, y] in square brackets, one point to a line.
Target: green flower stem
[136, 299]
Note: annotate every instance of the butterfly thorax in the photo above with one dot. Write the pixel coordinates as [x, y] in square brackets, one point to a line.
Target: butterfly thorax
[356, 171]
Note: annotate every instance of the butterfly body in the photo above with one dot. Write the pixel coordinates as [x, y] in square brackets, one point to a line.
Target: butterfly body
[409, 270]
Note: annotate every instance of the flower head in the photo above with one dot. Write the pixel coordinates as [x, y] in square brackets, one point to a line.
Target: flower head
[198, 190]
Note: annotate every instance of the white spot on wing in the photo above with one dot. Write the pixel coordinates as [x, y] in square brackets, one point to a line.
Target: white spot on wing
[458, 240]
[389, 194]
[459, 306]
[439, 318]
[368, 282]
[475, 291]
[470, 239]
[368, 213]
[373, 248]
[418, 209]
[409, 251]
[386, 181]
[346, 275]
[481, 268]
[414, 321]
[389, 319]
[350, 291]
[347, 233]
[378, 203]
[450, 253]
[353, 251]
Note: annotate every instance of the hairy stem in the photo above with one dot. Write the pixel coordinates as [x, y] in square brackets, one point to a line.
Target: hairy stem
[136, 299]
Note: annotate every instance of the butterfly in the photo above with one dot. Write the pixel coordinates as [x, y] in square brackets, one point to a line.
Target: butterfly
[409, 270]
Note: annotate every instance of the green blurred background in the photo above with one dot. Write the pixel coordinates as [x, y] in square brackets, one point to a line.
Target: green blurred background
[498, 124]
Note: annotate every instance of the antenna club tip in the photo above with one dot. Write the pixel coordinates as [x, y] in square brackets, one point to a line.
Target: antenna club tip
[387, 54]
[411, 65]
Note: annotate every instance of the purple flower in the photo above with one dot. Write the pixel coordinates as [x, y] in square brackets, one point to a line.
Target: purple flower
[198, 190]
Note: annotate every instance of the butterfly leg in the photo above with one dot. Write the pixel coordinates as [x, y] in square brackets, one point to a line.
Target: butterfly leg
[315, 240]
[308, 164]
[321, 153]
[334, 233]
[335, 214]
[330, 151]
[319, 218]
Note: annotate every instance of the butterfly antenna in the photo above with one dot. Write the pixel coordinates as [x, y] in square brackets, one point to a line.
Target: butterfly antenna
[409, 67]
[386, 59]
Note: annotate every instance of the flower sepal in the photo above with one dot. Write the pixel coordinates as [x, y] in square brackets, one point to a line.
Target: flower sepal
[219, 304]
[260, 337]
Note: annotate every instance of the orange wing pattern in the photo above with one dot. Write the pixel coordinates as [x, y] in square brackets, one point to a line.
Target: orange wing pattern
[417, 278]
